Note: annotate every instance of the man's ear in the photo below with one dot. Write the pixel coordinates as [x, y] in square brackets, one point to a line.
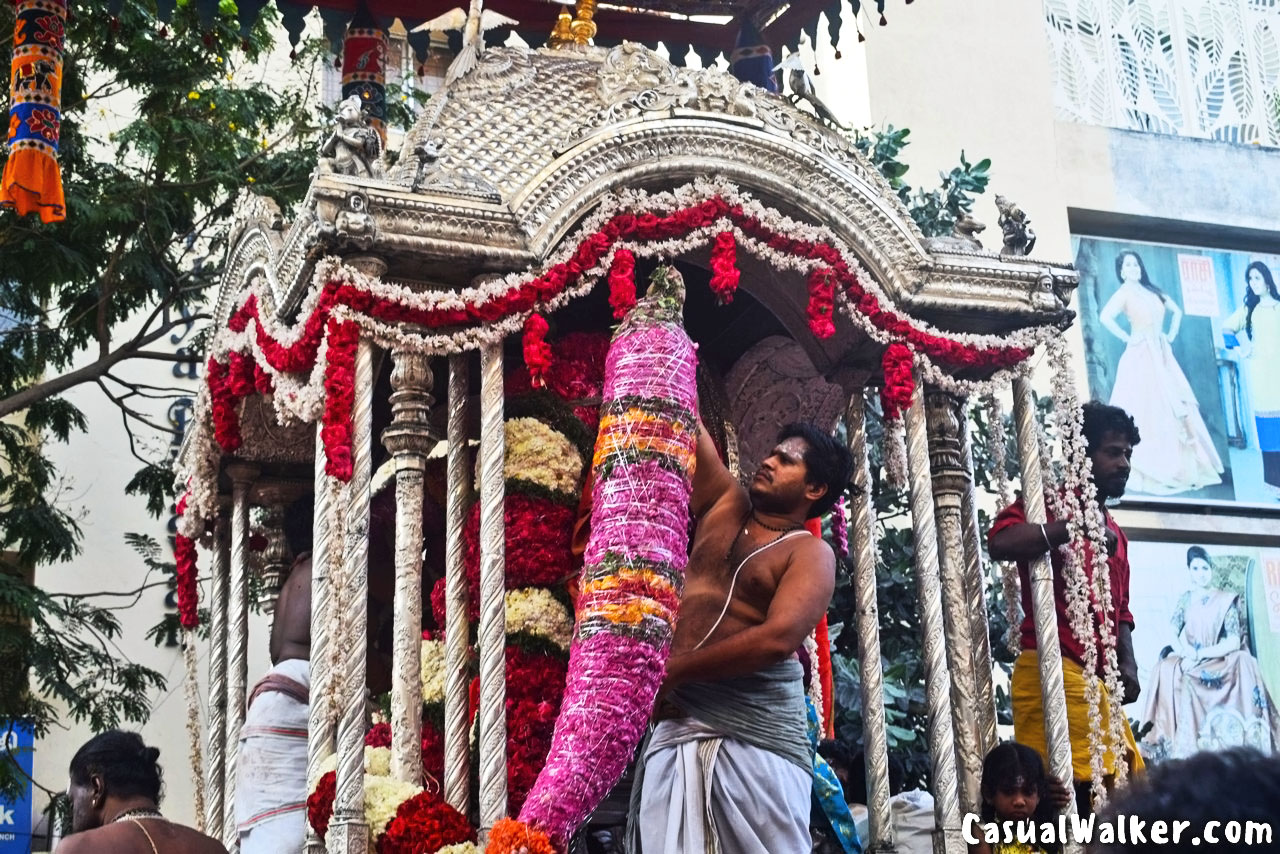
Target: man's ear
[97, 790]
[814, 491]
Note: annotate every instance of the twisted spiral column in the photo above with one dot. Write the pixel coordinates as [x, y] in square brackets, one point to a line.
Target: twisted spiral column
[324, 545]
[492, 631]
[457, 670]
[975, 587]
[943, 414]
[349, 834]
[191, 692]
[1052, 694]
[863, 537]
[948, 839]
[242, 476]
[409, 439]
[216, 754]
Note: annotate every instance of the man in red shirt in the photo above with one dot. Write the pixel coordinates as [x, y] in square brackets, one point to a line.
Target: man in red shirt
[1110, 434]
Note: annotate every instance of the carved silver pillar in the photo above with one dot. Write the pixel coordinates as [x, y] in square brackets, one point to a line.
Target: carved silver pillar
[242, 476]
[863, 540]
[409, 439]
[457, 670]
[216, 755]
[951, 480]
[975, 585]
[274, 563]
[1052, 693]
[492, 630]
[942, 750]
[326, 553]
[347, 832]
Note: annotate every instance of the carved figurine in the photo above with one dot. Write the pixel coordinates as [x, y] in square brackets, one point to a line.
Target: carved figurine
[427, 153]
[802, 89]
[354, 147]
[967, 229]
[473, 23]
[1019, 239]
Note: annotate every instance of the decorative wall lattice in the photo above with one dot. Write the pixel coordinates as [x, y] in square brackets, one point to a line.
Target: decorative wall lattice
[1201, 68]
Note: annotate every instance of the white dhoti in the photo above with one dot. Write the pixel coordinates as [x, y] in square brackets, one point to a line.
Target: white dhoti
[707, 794]
[271, 769]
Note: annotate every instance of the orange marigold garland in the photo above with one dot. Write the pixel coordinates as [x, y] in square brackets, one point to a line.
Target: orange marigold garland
[512, 837]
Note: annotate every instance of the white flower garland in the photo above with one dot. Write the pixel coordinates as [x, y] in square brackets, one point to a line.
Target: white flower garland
[815, 680]
[1077, 503]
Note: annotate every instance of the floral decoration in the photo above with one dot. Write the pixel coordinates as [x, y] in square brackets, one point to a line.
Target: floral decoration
[724, 267]
[622, 283]
[634, 560]
[821, 308]
[539, 454]
[320, 803]
[432, 655]
[382, 799]
[535, 611]
[509, 836]
[537, 353]
[424, 823]
[186, 591]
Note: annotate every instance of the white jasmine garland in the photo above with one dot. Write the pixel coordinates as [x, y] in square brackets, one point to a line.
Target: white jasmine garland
[815, 679]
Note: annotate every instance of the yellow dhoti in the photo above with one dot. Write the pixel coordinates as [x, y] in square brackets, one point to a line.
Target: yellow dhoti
[1028, 716]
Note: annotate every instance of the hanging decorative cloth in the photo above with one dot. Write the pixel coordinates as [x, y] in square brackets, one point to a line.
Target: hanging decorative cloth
[364, 67]
[752, 60]
[32, 182]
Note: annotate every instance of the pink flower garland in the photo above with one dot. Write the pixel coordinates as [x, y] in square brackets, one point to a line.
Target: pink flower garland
[634, 562]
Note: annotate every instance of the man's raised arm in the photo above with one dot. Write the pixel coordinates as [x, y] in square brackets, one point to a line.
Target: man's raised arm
[711, 478]
[1025, 541]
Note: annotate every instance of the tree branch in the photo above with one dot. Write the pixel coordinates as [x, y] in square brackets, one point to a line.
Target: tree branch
[89, 373]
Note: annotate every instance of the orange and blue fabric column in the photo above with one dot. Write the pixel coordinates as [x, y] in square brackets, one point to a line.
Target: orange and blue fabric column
[364, 67]
[32, 182]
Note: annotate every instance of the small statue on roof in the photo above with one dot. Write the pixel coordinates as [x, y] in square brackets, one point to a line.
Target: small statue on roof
[473, 23]
[967, 229]
[1019, 239]
[355, 146]
[803, 89]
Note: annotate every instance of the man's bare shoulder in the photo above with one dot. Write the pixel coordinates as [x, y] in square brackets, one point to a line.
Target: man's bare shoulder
[126, 838]
[813, 551]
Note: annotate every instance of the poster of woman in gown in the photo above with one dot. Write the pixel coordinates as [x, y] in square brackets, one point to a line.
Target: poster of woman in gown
[1255, 328]
[1207, 644]
[1176, 453]
[1184, 338]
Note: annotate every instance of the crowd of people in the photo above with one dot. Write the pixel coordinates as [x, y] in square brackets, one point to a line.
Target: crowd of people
[730, 762]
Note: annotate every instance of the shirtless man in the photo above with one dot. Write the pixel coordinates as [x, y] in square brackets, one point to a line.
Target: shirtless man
[729, 766]
[115, 802]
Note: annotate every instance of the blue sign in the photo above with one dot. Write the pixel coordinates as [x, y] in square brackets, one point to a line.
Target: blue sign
[17, 743]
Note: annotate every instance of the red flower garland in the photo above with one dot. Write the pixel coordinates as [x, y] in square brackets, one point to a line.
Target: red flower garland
[379, 735]
[537, 352]
[821, 309]
[424, 823]
[225, 382]
[899, 384]
[622, 283]
[186, 592]
[320, 803]
[339, 394]
[724, 267]
[539, 533]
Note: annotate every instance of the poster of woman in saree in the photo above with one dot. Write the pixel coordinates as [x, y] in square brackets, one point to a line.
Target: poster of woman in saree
[1177, 453]
[1254, 328]
[1206, 691]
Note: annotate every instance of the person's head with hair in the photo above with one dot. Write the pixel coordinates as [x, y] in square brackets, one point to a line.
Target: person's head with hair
[1237, 788]
[1110, 435]
[1130, 269]
[298, 522]
[1257, 281]
[1199, 567]
[111, 773]
[1015, 785]
[806, 466]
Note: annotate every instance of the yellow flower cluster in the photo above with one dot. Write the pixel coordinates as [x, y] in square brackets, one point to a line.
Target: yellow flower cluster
[535, 611]
[377, 761]
[459, 848]
[541, 455]
[433, 671]
[382, 797]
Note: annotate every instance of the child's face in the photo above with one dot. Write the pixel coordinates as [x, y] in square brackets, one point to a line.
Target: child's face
[1016, 800]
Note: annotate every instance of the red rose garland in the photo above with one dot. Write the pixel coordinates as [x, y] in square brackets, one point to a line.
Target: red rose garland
[229, 382]
[622, 283]
[821, 310]
[339, 394]
[537, 352]
[899, 384]
[724, 267]
[424, 823]
[320, 803]
[186, 592]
